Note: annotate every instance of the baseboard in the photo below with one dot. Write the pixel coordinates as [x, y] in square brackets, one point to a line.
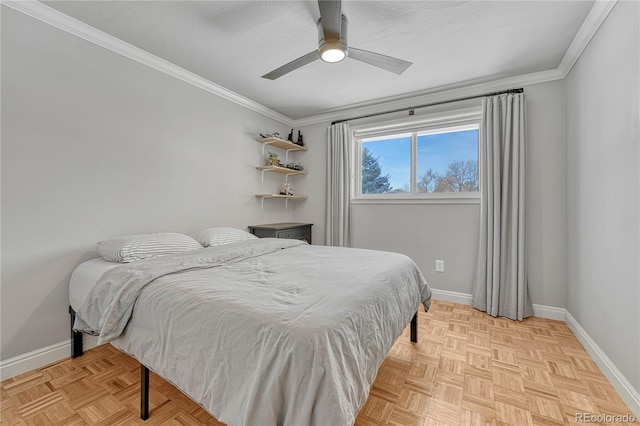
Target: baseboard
[542, 311]
[549, 312]
[627, 392]
[41, 357]
[451, 296]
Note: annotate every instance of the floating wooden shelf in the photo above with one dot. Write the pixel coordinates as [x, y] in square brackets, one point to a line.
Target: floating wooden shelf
[285, 197]
[289, 197]
[281, 143]
[283, 170]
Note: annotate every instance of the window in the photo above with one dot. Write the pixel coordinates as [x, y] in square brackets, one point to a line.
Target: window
[386, 164]
[448, 161]
[431, 159]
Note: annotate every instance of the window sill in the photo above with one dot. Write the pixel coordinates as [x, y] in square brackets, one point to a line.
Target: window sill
[474, 199]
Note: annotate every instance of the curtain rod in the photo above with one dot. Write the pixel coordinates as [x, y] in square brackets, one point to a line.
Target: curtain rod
[411, 108]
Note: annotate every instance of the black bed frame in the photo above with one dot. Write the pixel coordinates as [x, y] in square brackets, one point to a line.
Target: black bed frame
[76, 351]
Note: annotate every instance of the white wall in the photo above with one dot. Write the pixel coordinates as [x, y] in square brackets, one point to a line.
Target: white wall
[427, 232]
[94, 146]
[603, 286]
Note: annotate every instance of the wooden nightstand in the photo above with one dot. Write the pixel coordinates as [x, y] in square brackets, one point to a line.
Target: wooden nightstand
[290, 230]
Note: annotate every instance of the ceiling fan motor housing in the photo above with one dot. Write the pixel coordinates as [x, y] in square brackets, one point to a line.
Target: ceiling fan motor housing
[329, 43]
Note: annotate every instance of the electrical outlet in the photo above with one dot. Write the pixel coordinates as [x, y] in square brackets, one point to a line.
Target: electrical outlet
[439, 265]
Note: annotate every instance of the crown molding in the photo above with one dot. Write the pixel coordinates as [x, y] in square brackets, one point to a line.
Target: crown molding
[597, 15]
[588, 29]
[86, 32]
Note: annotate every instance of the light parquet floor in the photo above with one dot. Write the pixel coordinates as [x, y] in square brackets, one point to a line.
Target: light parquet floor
[466, 369]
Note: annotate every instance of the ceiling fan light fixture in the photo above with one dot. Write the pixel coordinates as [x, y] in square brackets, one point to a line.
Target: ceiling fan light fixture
[333, 52]
[333, 27]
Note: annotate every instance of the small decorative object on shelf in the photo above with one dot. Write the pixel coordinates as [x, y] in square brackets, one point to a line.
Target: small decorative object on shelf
[270, 135]
[300, 142]
[273, 159]
[286, 189]
[290, 137]
[294, 166]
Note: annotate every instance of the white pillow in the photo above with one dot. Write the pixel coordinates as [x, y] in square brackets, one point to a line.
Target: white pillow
[221, 235]
[137, 247]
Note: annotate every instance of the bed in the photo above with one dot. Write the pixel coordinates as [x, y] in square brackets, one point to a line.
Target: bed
[262, 331]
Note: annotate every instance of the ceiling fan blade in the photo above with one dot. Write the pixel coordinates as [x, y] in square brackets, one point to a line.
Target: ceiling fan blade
[331, 18]
[388, 63]
[293, 65]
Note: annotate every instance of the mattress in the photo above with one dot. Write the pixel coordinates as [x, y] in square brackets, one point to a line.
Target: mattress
[85, 277]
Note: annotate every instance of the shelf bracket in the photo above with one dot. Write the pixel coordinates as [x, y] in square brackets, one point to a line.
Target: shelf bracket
[286, 155]
[264, 145]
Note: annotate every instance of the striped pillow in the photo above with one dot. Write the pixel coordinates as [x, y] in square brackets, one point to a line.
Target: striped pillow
[137, 247]
[221, 235]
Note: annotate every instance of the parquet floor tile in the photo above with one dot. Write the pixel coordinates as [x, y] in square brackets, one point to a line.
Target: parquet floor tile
[467, 369]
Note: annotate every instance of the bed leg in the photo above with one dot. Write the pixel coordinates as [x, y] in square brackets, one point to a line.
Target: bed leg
[76, 337]
[144, 392]
[414, 328]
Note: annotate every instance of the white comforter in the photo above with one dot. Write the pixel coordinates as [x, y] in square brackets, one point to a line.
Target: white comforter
[261, 332]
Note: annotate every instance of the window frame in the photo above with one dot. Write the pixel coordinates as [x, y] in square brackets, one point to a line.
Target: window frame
[461, 119]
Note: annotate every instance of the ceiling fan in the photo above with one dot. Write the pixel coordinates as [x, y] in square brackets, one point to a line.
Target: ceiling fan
[333, 46]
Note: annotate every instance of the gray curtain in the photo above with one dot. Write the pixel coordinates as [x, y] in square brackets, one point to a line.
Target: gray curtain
[500, 285]
[338, 205]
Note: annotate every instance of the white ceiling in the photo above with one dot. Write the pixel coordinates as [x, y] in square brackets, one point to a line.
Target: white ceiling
[233, 43]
